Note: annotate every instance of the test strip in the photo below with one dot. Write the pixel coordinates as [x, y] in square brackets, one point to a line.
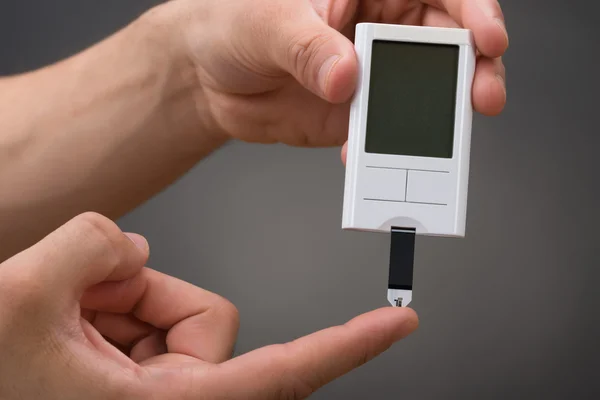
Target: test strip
[402, 255]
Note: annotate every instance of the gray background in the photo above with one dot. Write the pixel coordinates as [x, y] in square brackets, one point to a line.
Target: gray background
[509, 312]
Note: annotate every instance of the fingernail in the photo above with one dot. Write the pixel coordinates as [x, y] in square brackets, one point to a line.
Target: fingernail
[492, 11]
[501, 79]
[502, 83]
[138, 240]
[325, 71]
[502, 26]
[487, 8]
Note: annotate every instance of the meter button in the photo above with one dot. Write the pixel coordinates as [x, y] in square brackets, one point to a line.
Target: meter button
[429, 187]
[385, 184]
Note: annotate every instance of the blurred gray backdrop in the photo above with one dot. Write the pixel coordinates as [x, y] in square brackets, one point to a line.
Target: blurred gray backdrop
[512, 311]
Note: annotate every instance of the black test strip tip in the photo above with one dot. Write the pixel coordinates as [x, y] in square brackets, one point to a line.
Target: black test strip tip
[402, 255]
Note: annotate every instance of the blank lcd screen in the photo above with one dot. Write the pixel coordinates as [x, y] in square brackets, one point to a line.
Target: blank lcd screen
[412, 99]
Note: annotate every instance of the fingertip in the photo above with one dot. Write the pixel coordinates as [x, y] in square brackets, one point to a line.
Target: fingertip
[503, 32]
[321, 58]
[491, 38]
[344, 153]
[499, 90]
[140, 241]
[340, 82]
[412, 319]
[489, 87]
[397, 322]
[489, 95]
[407, 321]
[139, 259]
[489, 29]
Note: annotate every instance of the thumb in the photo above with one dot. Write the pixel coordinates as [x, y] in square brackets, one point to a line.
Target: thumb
[85, 251]
[319, 57]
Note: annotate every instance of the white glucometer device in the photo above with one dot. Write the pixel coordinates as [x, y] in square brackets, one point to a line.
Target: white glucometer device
[409, 138]
[410, 130]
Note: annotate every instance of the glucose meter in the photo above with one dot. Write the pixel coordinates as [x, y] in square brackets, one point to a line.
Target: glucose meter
[409, 138]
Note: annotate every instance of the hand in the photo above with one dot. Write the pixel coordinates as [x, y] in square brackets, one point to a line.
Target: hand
[283, 71]
[82, 318]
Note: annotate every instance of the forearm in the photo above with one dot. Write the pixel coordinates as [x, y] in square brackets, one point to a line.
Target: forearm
[102, 131]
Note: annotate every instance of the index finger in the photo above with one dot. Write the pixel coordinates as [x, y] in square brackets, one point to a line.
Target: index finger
[297, 369]
[483, 17]
[86, 250]
[200, 323]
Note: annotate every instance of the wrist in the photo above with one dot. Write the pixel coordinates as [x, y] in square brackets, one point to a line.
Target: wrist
[187, 109]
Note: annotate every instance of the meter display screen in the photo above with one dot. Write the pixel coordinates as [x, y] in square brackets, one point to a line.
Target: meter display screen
[412, 99]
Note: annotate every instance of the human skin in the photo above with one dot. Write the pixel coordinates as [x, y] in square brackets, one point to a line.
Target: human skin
[80, 315]
[110, 127]
[82, 318]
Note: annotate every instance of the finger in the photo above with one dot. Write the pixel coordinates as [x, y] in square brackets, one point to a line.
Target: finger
[124, 329]
[489, 91]
[439, 18]
[489, 88]
[85, 251]
[336, 14]
[484, 18]
[106, 348]
[297, 369]
[149, 346]
[200, 324]
[344, 153]
[319, 57]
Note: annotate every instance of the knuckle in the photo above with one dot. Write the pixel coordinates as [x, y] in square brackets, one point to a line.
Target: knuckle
[295, 389]
[104, 236]
[292, 393]
[376, 341]
[293, 385]
[95, 222]
[227, 310]
[364, 357]
[303, 49]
